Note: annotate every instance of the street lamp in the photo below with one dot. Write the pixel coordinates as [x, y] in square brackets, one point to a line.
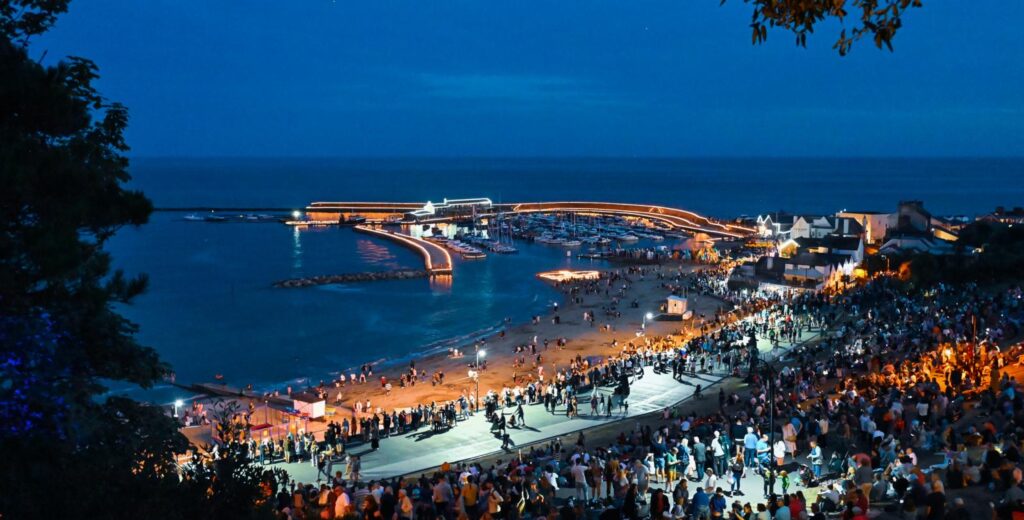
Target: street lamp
[647, 317]
[769, 372]
[296, 214]
[475, 374]
[178, 404]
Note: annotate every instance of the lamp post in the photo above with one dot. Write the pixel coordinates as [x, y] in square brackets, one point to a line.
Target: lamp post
[647, 317]
[769, 373]
[178, 403]
[296, 214]
[475, 374]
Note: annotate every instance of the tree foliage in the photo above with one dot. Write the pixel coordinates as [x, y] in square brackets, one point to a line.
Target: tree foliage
[985, 252]
[68, 450]
[877, 19]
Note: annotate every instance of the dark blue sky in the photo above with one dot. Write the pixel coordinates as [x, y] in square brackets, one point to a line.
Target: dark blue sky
[544, 78]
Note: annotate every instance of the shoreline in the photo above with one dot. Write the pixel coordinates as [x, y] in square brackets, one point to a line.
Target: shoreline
[581, 340]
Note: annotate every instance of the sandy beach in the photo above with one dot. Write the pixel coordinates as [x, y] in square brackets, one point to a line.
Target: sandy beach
[583, 339]
[647, 290]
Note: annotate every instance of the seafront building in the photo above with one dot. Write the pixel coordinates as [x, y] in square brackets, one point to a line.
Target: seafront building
[815, 252]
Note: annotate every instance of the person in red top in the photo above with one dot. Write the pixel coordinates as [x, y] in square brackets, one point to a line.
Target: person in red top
[860, 500]
[797, 504]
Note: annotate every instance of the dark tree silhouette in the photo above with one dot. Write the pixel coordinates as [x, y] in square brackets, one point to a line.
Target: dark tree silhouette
[68, 450]
[877, 19]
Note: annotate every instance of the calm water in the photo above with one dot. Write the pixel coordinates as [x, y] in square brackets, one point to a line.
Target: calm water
[211, 310]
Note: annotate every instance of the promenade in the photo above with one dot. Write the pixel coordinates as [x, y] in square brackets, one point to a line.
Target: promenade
[415, 452]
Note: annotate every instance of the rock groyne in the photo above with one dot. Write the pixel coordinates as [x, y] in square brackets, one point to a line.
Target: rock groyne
[402, 274]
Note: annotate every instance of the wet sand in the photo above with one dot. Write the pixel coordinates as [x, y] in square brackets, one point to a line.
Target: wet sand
[582, 339]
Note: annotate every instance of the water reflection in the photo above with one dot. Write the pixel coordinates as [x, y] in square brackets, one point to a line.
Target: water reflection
[296, 248]
[441, 284]
[376, 254]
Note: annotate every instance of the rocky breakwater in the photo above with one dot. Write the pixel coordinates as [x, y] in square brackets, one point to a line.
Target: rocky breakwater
[402, 274]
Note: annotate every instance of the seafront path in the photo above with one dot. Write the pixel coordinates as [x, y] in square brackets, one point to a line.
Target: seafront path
[415, 452]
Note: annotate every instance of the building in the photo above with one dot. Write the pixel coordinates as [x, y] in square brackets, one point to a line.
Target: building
[1001, 214]
[852, 246]
[915, 242]
[875, 224]
[917, 230]
[775, 226]
[451, 208]
[784, 226]
[807, 271]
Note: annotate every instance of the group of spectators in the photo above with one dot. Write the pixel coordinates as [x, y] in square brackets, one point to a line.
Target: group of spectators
[906, 406]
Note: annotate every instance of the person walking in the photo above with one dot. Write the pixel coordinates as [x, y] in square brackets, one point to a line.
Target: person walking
[738, 470]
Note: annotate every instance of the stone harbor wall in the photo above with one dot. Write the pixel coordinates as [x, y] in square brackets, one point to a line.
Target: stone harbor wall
[402, 274]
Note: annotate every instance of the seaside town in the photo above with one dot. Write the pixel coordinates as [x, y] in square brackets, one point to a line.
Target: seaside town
[573, 260]
[854, 365]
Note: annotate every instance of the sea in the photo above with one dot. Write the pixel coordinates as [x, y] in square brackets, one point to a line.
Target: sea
[211, 311]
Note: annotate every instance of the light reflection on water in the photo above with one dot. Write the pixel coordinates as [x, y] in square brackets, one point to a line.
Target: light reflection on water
[376, 253]
[211, 309]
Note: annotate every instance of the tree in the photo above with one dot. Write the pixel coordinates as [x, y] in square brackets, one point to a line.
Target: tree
[67, 450]
[879, 19]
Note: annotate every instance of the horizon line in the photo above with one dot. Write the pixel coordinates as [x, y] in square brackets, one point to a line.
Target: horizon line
[579, 157]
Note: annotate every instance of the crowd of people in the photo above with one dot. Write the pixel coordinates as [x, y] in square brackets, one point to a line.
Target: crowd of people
[906, 398]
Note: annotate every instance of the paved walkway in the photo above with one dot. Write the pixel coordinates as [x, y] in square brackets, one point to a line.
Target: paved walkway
[423, 449]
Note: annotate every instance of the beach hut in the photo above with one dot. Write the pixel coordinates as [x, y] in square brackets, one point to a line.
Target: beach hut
[676, 305]
[309, 405]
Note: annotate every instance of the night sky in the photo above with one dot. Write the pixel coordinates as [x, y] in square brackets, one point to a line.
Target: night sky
[544, 78]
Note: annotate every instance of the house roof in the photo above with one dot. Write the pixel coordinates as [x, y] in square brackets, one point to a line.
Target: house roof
[844, 243]
[818, 259]
[832, 242]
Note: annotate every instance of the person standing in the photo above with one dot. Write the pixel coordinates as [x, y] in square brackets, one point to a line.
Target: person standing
[817, 459]
[718, 457]
[405, 509]
[579, 478]
[470, 497]
[442, 495]
[779, 451]
[750, 448]
[699, 455]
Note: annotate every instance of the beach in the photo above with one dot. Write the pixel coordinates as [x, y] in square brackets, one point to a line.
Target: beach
[636, 294]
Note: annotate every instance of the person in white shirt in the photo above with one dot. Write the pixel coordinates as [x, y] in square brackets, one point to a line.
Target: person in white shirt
[343, 503]
[779, 450]
[405, 509]
[579, 478]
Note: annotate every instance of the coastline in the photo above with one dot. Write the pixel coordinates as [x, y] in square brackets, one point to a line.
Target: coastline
[582, 340]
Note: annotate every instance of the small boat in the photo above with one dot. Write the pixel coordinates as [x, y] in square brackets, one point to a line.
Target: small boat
[192, 217]
[572, 243]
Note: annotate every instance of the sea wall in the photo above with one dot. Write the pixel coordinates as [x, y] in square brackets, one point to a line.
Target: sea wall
[402, 274]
